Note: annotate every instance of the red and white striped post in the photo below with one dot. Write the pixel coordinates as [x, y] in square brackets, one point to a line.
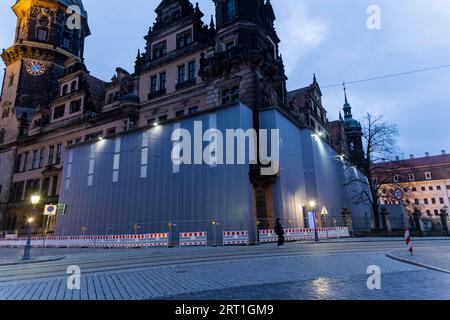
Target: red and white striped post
[408, 242]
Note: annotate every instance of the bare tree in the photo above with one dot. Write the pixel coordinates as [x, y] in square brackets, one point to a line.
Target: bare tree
[380, 165]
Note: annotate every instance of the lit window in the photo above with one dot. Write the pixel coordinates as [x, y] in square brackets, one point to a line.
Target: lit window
[116, 160]
[144, 155]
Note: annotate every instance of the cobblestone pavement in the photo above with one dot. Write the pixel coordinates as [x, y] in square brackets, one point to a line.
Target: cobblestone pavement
[437, 257]
[296, 272]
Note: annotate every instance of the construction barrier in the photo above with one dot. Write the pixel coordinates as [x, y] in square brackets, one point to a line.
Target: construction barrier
[298, 234]
[193, 239]
[267, 236]
[235, 238]
[112, 241]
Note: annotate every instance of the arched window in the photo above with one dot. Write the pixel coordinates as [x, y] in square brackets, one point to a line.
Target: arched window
[2, 136]
[73, 86]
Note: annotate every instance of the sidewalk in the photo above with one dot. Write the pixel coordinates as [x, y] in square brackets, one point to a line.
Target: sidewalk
[19, 261]
[437, 259]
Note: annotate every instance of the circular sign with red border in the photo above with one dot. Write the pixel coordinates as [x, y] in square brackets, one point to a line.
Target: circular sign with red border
[398, 194]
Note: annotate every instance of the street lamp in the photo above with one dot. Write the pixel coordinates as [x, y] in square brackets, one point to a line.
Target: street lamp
[35, 198]
[312, 205]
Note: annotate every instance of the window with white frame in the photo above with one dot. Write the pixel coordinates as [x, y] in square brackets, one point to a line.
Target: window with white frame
[412, 177]
[428, 175]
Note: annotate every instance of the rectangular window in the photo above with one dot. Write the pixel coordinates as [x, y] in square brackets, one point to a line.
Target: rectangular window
[184, 39]
[111, 131]
[17, 191]
[163, 118]
[159, 50]
[66, 43]
[433, 200]
[51, 151]
[58, 112]
[438, 188]
[35, 159]
[162, 82]
[179, 113]
[153, 84]
[41, 157]
[55, 186]
[441, 201]
[75, 106]
[425, 201]
[416, 202]
[58, 153]
[18, 163]
[193, 110]
[45, 187]
[192, 71]
[428, 176]
[42, 35]
[412, 177]
[181, 74]
[25, 162]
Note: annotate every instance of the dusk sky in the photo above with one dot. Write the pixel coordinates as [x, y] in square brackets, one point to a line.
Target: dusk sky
[329, 38]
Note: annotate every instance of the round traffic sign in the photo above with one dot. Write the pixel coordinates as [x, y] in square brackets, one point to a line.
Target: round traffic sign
[398, 194]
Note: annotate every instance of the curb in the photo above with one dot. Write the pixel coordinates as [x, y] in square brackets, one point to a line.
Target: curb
[417, 264]
[20, 262]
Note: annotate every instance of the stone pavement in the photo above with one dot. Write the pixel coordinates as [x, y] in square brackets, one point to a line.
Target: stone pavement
[437, 258]
[345, 271]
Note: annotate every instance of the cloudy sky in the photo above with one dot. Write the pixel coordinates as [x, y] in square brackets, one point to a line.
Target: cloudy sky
[326, 37]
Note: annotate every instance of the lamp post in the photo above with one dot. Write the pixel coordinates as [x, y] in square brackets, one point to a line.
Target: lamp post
[26, 251]
[312, 205]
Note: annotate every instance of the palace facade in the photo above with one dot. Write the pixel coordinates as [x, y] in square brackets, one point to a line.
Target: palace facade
[104, 148]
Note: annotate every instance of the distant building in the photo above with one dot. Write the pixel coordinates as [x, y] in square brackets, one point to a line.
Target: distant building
[424, 181]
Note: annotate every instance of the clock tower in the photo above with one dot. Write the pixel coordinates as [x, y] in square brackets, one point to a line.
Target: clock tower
[48, 33]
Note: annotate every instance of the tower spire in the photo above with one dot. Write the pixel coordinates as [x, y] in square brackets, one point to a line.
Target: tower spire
[345, 93]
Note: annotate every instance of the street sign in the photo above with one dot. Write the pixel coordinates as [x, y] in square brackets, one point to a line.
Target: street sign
[61, 208]
[50, 210]
[398, 194]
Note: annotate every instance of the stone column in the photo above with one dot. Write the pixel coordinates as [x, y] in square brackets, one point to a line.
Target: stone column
[347, 217]
[444, 221]
[417, 216]
[385, 220]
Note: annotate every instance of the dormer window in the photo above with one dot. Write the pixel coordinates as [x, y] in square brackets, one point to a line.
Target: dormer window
[428, 175]
[412, 177]
[396, 178]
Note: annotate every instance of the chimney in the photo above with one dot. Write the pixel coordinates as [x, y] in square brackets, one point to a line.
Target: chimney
[444, 152]
[427, 155]
[411, 156]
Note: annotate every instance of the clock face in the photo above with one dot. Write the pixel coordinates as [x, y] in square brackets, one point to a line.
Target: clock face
[35, 68]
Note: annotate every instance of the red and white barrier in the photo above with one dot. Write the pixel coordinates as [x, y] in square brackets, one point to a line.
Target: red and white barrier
[266, 236]
[235, 238]
[409, 242]
[193, 239]
[111, 241]
[298, 234]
